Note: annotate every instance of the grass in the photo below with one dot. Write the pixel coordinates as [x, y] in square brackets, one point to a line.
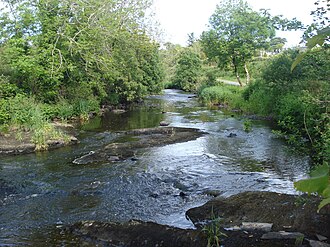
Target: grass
[227, 95]
[26, 117]
[213, 231]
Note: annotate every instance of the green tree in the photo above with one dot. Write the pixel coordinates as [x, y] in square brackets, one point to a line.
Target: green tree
[169, 57]
[237, 32]
[188, 70]
[76, 49]
[276, 44]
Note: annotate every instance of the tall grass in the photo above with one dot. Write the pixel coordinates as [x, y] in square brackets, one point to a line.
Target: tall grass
[226, 95]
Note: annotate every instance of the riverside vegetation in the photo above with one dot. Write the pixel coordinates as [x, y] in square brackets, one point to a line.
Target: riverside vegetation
[65, 59]
[291, 87]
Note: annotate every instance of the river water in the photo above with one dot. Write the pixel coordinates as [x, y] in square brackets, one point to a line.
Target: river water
[42, 192]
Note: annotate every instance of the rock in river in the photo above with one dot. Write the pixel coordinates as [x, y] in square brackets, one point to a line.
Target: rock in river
[138, 139]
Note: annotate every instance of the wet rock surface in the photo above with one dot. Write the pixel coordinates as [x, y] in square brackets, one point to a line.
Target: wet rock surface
[8, 147]
[134, 233]
[11, 145]
[130, 142]
[292, 224]
[286, 212]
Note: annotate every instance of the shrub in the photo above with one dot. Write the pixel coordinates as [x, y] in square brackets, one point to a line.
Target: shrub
[226, 94]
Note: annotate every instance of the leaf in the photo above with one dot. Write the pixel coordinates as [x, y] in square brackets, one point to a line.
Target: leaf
[324, 202]
[318, 39]
[318, 182]
[298, 59]
[321, 170]
[326, 192]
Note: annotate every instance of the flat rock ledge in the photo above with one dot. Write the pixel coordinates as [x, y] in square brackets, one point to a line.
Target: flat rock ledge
[133, 233]
[128, 143]
[9, 148]
[291, 221]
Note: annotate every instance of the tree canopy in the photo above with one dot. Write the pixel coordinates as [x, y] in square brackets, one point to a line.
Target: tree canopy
[66, 49]
[237, 32]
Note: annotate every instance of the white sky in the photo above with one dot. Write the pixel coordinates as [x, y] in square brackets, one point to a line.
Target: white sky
[178, 18]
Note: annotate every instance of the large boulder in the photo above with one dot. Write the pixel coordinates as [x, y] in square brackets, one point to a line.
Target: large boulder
[286, 212]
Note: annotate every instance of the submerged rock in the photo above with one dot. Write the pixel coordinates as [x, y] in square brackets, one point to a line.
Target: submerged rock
[129, 142]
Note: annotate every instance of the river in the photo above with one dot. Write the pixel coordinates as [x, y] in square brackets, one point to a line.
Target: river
[41, 192]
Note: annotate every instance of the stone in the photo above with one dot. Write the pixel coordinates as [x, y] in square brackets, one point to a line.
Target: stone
[282, 235]
[314, 243]
[138, 139]
[232, 135]
[118, 111]
[279, 209]
[321, 238]
[251, 226]
[134, 233]
[163, 123]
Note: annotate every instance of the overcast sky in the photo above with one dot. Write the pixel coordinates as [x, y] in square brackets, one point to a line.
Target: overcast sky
[178, 18]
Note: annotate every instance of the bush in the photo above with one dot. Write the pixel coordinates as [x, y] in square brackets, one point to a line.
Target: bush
[4, 114]
[298, 100]
[226, 94]
[24, 114]
[7, 90]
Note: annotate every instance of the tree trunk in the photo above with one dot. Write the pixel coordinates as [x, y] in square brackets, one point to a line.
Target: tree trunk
[237, 75]
[247, 74]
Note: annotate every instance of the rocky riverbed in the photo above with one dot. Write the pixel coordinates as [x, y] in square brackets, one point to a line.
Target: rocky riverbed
[245, 219]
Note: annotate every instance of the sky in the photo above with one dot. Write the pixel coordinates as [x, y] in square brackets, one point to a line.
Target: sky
[178, 18]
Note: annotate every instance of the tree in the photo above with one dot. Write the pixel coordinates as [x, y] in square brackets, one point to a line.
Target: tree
[188, 70]
[276, 44]
[191, 39]
[237, 32]
[77, 49]
[169, 57]
[318, 33]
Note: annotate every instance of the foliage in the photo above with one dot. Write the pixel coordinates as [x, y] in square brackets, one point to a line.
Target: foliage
[223, 94]
[298, 101]
[247, 125]
[67, 49]
[318, 182]
[25, 115]
[319, 39]
[213, 231]
[7, 89]
[276, 44]
[169, 57]
[237, 32]
[188, 71]
[318, 33]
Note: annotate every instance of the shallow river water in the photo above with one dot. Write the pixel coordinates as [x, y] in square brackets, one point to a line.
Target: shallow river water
[41, 192]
